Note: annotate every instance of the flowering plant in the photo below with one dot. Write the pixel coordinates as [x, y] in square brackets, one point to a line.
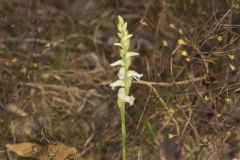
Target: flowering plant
[125, 76]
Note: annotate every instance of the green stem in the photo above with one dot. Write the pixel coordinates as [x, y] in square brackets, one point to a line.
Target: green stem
[124, 135]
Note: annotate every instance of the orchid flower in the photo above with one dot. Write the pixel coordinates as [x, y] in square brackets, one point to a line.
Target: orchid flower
[125, 98]
[117, 83]
[125, 76]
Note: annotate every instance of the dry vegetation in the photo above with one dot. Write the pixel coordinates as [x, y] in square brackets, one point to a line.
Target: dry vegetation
[54, 77]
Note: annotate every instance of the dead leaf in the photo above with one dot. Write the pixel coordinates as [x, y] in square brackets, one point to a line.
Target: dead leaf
[57, 151]
[25, 149]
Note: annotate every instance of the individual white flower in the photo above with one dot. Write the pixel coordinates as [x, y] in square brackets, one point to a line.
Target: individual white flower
[121, 73]
[125, 98]
[118, 83]
[126, 37]
[135, 75]
[117, 44]
[130, 54]
[117, 63]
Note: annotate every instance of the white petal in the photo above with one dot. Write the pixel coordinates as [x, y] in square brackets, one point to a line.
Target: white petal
[125, 98]
[127, 37]
[117, 44]
[117, 83]
[130, 54]
[117, 63]
[121, 73]
[135, 75]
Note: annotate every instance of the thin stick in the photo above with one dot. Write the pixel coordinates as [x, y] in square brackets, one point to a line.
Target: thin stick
[165, 84]
[140, 120]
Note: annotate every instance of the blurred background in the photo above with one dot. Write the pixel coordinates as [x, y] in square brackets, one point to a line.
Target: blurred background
[55, 76]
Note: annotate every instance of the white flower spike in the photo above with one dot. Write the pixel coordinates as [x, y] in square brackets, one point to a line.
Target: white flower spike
[118, 83]
[125, 98]
[135, 75]
[125, 76]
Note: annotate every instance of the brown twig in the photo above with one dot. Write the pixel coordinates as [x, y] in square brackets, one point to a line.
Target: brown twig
[170, 84]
